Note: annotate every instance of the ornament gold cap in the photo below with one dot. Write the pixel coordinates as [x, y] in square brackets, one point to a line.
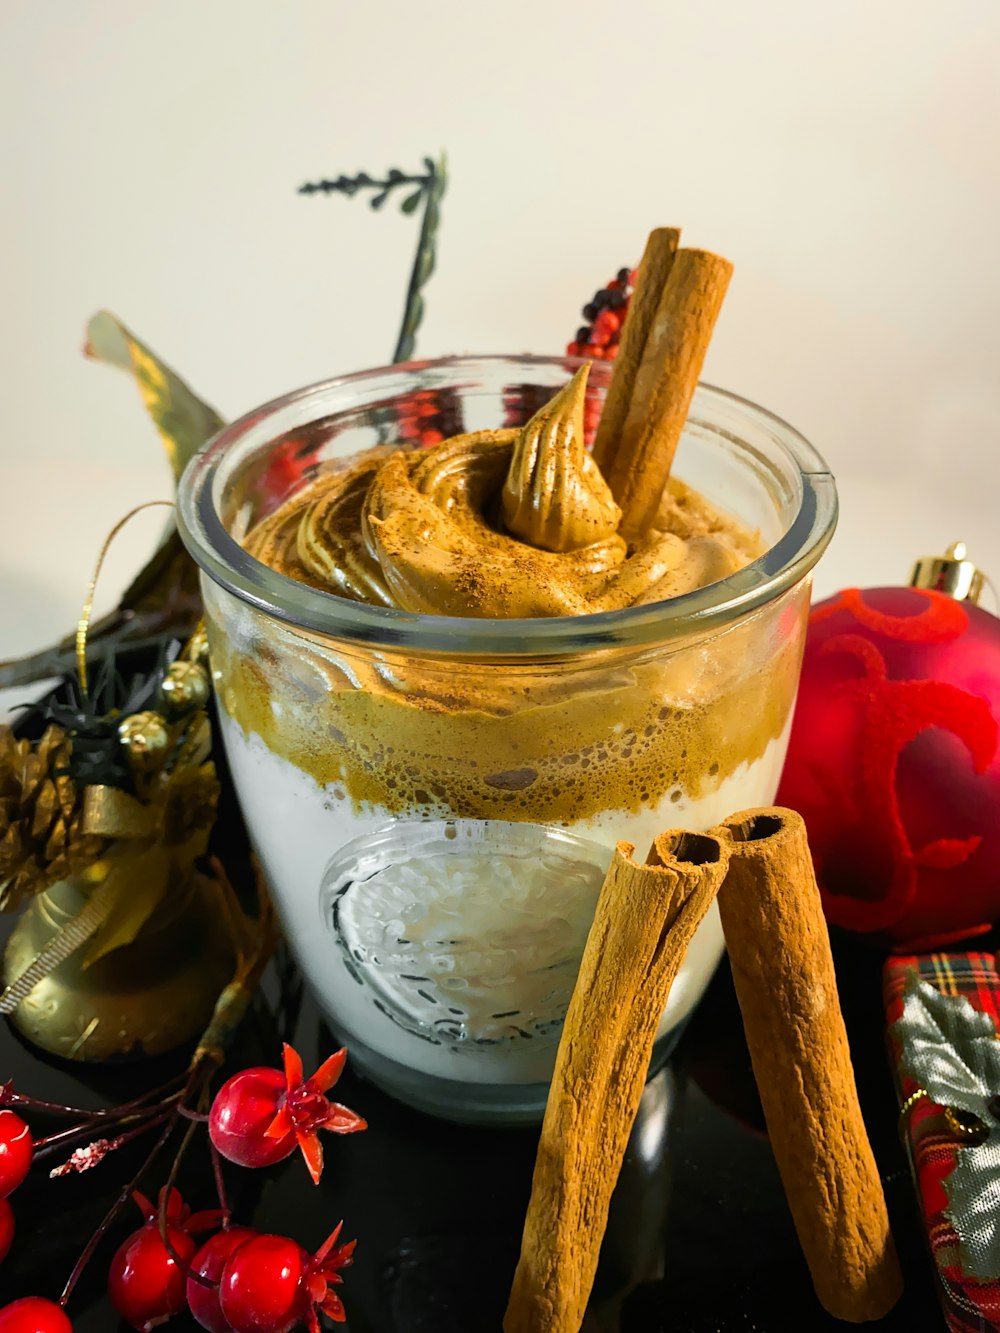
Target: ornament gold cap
[952, 573]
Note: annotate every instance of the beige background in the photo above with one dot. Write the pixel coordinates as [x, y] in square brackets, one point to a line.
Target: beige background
[843, 155]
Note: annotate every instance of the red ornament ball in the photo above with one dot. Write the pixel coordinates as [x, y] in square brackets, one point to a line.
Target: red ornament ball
[16, 1149]
[894, 763]
[34, 1314]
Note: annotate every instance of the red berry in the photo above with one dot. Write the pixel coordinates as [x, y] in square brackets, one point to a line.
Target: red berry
[611, 352]
[428, 438]
[6, 1228]
[145, 1284]
[607, 322]
[34, 1314]
[259, 1115]
[203, 1302]
[262, 1289]
[16, 1148]
[270, 1284]
[243, 1109]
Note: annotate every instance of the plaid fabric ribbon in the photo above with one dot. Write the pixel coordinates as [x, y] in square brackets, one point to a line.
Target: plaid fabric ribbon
[935, 1140]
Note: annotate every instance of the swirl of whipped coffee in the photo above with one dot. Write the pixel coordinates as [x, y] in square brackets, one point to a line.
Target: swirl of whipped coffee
[504, 523]
[554, 496]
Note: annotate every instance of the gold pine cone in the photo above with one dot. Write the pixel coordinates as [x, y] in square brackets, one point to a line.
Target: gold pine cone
[40, 816]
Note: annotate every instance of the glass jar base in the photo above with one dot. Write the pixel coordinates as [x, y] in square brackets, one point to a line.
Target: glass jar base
[490, 1104]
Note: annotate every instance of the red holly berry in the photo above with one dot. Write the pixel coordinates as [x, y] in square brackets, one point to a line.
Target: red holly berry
[260, 1115]
[243, 1108]
[270, 1284]
[605, 315]
[34, 1314]
[145, 1283]
[16, 1148]
[203, 1302]
[607, 322]
[261, 1290]
[6, 1228]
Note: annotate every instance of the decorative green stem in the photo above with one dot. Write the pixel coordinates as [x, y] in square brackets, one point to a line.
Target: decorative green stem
[429, 189]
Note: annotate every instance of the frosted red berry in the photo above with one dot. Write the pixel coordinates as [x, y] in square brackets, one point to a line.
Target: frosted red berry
[209, 1262]
[146, 1285]
[260, 1115]
[6, 1228]
[34, 1314]
[16, 1149]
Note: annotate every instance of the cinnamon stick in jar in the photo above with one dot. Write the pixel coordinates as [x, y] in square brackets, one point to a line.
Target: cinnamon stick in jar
[646, 916]
[779, 951]
[672, 359]
[651, 279]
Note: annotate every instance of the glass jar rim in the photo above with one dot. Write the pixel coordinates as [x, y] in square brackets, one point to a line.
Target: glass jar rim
[703, 610]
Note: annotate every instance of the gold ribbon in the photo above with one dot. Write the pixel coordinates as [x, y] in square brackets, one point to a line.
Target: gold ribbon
[109, 812]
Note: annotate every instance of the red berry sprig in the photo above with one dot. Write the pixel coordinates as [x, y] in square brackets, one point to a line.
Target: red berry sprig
[146, 1282]
[237, 1281]
[270, 1284]
[599, 338]
[261, 1115]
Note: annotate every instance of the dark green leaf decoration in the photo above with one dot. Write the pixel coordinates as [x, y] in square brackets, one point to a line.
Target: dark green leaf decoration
[430, 188]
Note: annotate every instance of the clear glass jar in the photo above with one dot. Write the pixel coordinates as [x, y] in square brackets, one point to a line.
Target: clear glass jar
[435, 799]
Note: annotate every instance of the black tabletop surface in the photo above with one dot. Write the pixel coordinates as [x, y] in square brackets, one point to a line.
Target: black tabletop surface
[699, 1239]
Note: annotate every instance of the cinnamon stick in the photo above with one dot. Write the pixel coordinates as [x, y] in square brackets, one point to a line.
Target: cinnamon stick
[651, 279]
[779, 951]
[645, 918]
[672, 359]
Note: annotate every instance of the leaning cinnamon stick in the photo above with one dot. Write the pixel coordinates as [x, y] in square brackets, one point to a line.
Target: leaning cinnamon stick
[779, 951]
[651, 279]
[645, 918]
[672, 359]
